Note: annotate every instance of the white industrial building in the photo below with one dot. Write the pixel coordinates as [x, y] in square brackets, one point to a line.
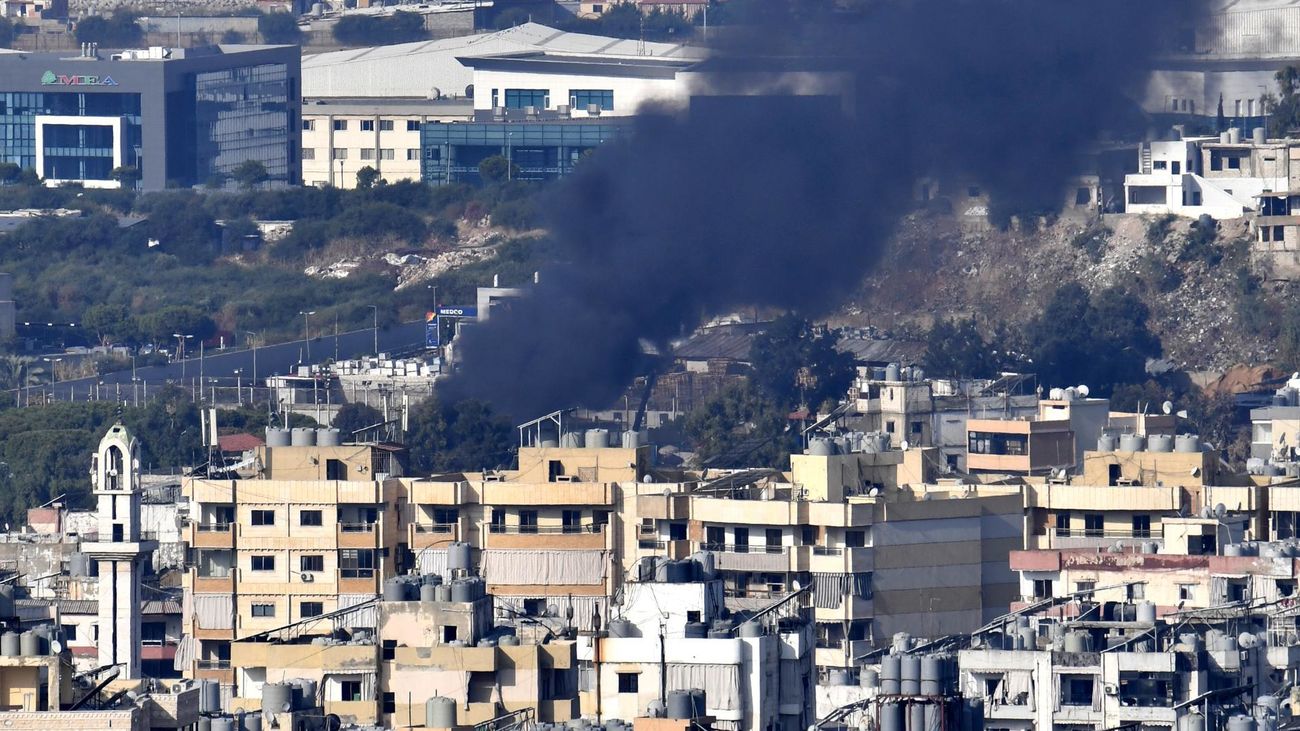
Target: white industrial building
[432, 69]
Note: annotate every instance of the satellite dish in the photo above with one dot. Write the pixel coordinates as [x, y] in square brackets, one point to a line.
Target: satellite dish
[1083, 390]
[56, 647]
[1182, 414]
[903, 445]
[1220, 511]
[1196, 472]
[1167, 407]
[796, 585]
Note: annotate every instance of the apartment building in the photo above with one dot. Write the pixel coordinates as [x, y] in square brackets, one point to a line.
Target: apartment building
[902, 403]
[547, 536]
[863, 527]
[312, 530]
[341, 136]
[1054, 440]
[675, 635]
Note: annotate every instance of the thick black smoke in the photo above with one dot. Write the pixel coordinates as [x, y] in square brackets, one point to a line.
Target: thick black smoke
[785, 201]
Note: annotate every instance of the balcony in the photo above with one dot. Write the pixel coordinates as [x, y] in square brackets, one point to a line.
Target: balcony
[651, 546]
[752, 557]
[358, 581]
[425, 492]
[577, 537]
[214, 582]
[212, 535]
[431, 535]
[841, 559]
[1065, 538]
[664, 507]
[358, 535]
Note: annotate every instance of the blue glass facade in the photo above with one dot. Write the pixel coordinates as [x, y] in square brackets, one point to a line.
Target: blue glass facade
[243, 114]
[18, 112]
[539, 150]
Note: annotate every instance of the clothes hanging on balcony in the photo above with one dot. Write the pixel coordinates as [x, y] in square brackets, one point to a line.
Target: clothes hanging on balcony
[829, 589]
[720, 683]
[214, 611]
[186, 650]
[510, 608]
[544, 568]
[366, 617]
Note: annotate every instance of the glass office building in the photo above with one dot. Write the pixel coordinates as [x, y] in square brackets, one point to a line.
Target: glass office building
[538, 150]
[176, 117]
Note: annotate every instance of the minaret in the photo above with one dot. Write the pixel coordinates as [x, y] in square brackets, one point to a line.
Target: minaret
[115, 478]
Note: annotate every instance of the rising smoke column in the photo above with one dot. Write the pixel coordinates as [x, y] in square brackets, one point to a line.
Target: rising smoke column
[786, 202]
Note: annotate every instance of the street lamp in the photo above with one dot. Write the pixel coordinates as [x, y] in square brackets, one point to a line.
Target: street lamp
[252, 339]
[180, 350]
[306, 332]
[376, 310]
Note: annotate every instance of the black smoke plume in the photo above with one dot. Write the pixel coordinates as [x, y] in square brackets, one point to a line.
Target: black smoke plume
[785, 201]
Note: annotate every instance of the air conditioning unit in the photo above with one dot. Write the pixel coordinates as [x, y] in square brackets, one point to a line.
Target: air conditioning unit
[493, 478]
[306, 577]
[566, 478]
[1110, 689]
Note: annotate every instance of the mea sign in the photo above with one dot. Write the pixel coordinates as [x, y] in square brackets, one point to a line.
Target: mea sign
[49, 78]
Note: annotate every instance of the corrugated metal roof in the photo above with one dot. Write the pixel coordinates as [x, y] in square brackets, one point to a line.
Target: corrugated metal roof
[721, 345]
[873, 350]
[429, 65]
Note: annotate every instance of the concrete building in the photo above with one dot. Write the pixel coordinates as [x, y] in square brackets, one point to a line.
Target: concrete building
[311, 531]
[177, 116]
[540, 147]
[673, 636]
[342, 136]
[1066, 425]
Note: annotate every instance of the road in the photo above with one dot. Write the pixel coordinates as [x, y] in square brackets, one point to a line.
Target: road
[270, 360]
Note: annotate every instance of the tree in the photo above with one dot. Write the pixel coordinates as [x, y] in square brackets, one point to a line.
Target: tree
[497, 169]
[9, 173]
[232, 37]
[281, 28]
[126, 175]
[352, 418]
[250, 174]
[465, 435]
[7, 31]
[367, 177]
[368, 30]
[161, 324]
[1103, 344]
[957, 349]
[110, 323]
[793, 364]
[740, 427]
[118, 31]
[1283, 110]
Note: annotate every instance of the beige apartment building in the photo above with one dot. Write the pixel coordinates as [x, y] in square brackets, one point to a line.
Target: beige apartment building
[342, 136]
[313, 529]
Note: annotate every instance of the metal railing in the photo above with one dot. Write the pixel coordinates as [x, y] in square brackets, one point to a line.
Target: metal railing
[434, 527]
[356, 573]
[1099, 533]
[828, 551]
[213, 527]
[357, 527]
[548, 529]
[744, 548]
[213, 664]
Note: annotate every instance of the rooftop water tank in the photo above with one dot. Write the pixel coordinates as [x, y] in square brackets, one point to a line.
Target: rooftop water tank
[1241, 723]
[395, 590]
[893, 372]
[1132, 442]
[303, 437]
[251, 722]
[571, 440]
[1189, 443]
[508, 640]
[1146, 612]
[821, 447]
[277, 437]
[869, 678]
[911, 675]
[891, 674]
[329, 437]
[276, 698]
[209, 696]
[751, 629]
[1077, 642]
[697, 630]
[458, 556]
[1027, 638]
[597, 439]
[932, 672]
[891, 717]
[227, 723]
[439, 712]
[1192, 722]
[462, 591]
[442, 593]
[1160, 443]
[620, 627]
[429, 592]
[1106, 443]
[839, 676]
[29, 644]
[631, 439]
[10, 645]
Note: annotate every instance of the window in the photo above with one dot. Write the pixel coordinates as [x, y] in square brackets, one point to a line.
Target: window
[263, 610]
[349, 690]
[498, 521]
[855, 538]
[740, 537]
[889, 426]
[1063, 524]
[520, 98]
[309, 153]
[676, 531]
[389, 649]
[433, 153]
[1234, 163]
[715, 537]
[308, 125]
[390, 701]
[70, 632]
[581, 99]
[367, 153]
[412, 153]
[527, 521]
[917, 427]
[339, 153]
[993, 443]
[412, 125]
[773, 536]
[309, 517]
[1080, 586]
[1042, 588]
[1186, 592]
[340, 125]
[263, 563]
[627, 682]
[311, 563]
[1142, 526]
[572, 521]
[386, 153]
[263, 517]
[1160, 165]
[1136, 592]
[310, 609]
[385, 125]
[1278, 234]
[1076, 690]
[1093, 525]
[367, 125]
